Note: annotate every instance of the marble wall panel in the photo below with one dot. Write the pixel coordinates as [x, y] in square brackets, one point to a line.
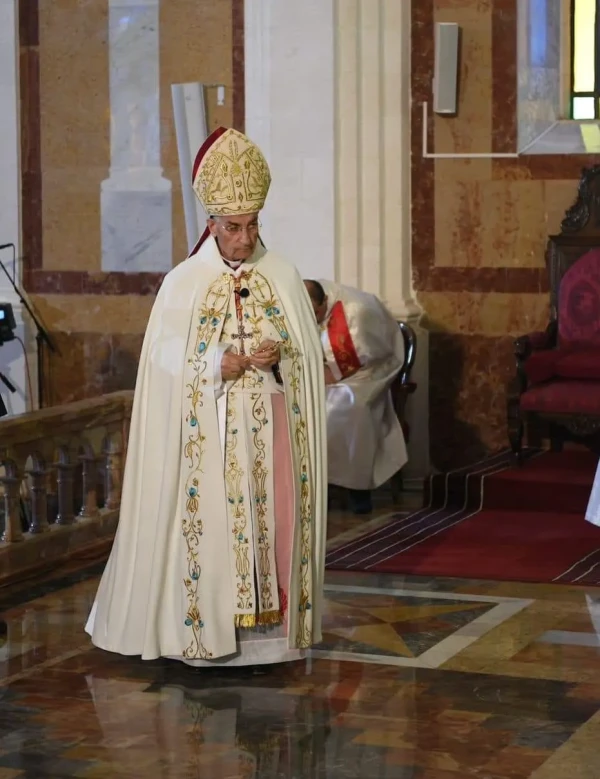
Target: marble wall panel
[91, 364]
[467, 396]
[31, 163]
[238, 64]
[66, 314]
[504, 75]
[513, 226]
[74, 130]
[492, 314]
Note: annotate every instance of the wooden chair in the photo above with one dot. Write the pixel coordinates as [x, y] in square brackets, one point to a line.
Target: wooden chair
[401, 389]
[556, 391]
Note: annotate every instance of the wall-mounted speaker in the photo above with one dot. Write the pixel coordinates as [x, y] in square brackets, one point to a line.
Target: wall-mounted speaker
[445, 79]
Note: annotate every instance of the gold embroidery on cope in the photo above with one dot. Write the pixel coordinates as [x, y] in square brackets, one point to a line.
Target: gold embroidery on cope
[259, 474]
[210, 318]
[235, 498]
[266, 299]
[213, 318]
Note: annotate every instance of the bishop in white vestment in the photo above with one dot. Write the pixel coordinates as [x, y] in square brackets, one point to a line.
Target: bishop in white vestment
[364, 351]
[219, 553]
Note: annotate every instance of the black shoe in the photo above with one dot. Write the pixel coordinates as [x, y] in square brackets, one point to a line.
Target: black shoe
[360, 501]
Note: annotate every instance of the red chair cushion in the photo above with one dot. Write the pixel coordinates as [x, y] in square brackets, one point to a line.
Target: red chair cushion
[563, 363]
[541, 366]
[563, 397]
[579, 303]
[580, 364]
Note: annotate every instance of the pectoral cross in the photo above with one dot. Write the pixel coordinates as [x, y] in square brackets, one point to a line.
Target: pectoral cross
[241, 334]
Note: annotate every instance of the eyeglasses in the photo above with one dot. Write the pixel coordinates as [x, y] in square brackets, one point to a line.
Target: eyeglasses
[235, 229]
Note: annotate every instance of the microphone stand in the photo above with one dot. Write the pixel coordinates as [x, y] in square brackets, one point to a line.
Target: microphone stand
[42, 337]
[11, 388]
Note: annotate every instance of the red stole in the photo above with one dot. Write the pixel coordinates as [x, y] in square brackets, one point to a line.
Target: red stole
[341, 341]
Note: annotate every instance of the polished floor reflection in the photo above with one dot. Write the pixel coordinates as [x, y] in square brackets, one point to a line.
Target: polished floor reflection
[431, 679]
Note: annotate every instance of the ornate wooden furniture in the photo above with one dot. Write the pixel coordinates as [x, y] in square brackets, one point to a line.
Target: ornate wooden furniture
[403, 386]
[401, 389]
[557, 386]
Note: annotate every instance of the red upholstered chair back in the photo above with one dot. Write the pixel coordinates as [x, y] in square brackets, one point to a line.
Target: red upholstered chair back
[579, 303]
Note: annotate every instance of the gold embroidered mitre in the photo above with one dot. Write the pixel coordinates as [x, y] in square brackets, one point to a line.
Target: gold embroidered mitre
[230, 174]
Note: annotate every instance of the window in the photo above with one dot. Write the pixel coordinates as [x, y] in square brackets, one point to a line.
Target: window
[585, 60]
[538, 33]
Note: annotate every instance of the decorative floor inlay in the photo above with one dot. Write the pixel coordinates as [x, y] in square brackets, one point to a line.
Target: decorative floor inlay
[417, 678]
[407, 627]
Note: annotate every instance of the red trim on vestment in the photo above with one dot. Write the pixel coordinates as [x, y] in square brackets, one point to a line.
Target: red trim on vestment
[341, 341]
[214, 136]
[201, 240]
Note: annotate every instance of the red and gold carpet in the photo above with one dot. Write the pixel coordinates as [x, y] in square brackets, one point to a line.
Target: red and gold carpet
[492, 521]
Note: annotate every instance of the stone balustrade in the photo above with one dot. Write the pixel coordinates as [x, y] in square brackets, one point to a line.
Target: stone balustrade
[61, 471]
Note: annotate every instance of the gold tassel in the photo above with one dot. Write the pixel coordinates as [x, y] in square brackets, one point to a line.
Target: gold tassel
[245, 620]
[252, 620]
[269, 618]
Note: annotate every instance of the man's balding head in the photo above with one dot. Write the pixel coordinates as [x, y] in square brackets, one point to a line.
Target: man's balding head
[318, 298]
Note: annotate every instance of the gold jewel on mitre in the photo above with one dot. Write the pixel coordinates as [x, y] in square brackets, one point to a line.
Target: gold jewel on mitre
[230, 174]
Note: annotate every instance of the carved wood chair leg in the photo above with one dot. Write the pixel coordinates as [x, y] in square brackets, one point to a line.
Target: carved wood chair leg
[516, 431]
[535, 437]
[556, 438]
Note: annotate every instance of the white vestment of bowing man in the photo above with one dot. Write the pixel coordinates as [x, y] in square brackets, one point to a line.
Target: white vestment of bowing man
[219, 553]
[592, 513]
[364, 350]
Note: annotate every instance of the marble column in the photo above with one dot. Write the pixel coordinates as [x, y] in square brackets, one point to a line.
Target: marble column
[12, 359]
[373, 150]
[136, 198]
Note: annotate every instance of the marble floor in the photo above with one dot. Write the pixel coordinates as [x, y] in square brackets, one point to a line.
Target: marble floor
[431, 679]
